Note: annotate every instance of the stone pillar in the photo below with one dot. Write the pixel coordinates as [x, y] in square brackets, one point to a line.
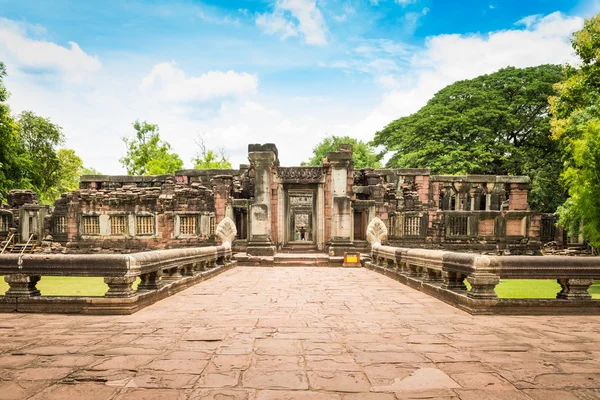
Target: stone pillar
[340, 163]
[221, 186]
[262, 158]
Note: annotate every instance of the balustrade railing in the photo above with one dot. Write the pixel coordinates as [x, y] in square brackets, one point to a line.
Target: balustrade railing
[444, 273]
[159, 271]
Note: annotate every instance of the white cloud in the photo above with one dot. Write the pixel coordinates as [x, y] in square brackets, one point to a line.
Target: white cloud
[94, 120]
[19, 50]
[168, 83]
[448, 58]
[294, 17]
[412, 20]
[405, 2]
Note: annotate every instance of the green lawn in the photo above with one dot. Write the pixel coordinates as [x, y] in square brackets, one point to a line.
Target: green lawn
[508, 288]
[68, 286]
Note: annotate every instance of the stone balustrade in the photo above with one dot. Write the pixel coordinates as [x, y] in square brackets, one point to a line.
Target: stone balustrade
[443, 274]
[161, 273]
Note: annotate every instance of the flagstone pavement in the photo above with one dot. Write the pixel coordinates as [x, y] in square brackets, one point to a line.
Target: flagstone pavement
[299, 333]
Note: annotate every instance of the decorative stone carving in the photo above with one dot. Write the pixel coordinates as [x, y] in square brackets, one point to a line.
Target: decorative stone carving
[301, 200]
[226, 231]
[376, 232]
[300, 173]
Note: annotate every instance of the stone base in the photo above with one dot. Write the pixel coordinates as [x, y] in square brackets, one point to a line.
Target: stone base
[262, 248]
[337, 247]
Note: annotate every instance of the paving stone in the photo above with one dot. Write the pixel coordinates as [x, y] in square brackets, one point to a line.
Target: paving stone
[13, 390]
[295, 395]
[299, 333]
[219, 379]
[222, 394]
[339, 381]
[152, 394]
[163, 381]
[81, 390]
[270, 379]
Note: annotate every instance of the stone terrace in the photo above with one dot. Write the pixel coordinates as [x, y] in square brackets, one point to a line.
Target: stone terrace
[299, 333]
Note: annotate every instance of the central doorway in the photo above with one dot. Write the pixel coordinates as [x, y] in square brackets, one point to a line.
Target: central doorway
[301, 216]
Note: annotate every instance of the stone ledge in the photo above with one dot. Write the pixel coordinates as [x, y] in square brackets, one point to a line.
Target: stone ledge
[104, 305]
[472, 306]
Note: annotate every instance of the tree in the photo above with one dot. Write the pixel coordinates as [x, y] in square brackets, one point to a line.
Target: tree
[66, 176]
[12, 152]
[40, 139]
[209, 159]
[147, 154]
[363, 155]
[90, 171]
[576, 128]
[493, 124]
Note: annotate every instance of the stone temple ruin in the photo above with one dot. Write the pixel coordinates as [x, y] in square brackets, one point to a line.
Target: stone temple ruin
[324, 209]
[149, 237]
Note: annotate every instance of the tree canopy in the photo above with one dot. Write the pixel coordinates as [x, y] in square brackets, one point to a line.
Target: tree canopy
[363, 154]
[493, 124]
[30, 153]
[147, 154]
[209, 159]
[576, 128]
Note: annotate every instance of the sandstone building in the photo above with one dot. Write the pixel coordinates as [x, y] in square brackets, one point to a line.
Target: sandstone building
[282, 209]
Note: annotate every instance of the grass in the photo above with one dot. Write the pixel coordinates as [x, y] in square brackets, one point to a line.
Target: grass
[508, 288]
[68, 286]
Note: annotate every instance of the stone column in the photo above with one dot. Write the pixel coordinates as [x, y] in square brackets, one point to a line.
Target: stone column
[221, 186]
[262, 158]
[341, 213]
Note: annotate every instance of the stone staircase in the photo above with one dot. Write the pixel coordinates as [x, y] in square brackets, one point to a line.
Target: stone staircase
[301, 260]
[300, 247]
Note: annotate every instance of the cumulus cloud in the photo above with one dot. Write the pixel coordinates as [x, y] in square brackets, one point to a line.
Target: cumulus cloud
[168, 83]
[295, 17]
[21, 47]
[448, 58]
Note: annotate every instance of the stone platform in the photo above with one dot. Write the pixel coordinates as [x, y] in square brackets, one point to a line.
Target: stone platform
[299, 333]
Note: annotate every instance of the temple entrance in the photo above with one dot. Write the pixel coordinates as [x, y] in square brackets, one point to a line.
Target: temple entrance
[301, 216]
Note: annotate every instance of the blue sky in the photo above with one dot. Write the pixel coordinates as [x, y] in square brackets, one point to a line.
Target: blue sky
[238, 72]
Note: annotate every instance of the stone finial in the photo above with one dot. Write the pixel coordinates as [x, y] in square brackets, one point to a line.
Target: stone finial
[226, 231]
[376, 232]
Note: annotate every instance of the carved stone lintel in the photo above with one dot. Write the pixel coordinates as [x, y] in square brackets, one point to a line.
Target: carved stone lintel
[482, 286]
[453, 281]
[150, 281]
[22, 285]
[300, 173]
[574, 289]
[119, 286]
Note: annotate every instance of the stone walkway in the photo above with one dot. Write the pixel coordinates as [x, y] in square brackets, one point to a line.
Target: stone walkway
[299, 333]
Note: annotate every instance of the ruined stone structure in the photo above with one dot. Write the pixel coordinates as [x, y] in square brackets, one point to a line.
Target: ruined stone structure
[277, 209]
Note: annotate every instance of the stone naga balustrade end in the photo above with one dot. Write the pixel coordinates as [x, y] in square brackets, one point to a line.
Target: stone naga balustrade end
[226, 232]
[376, 232]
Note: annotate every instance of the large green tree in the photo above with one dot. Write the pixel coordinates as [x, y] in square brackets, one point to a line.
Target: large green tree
[12, 152]
[147, 154]
[41, 139]
[493, 124]
[30, 157]
[363, 155]
[576, 127]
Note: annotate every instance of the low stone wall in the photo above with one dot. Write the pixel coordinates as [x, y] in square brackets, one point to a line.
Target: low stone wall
[162, 273]
[442, 275]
